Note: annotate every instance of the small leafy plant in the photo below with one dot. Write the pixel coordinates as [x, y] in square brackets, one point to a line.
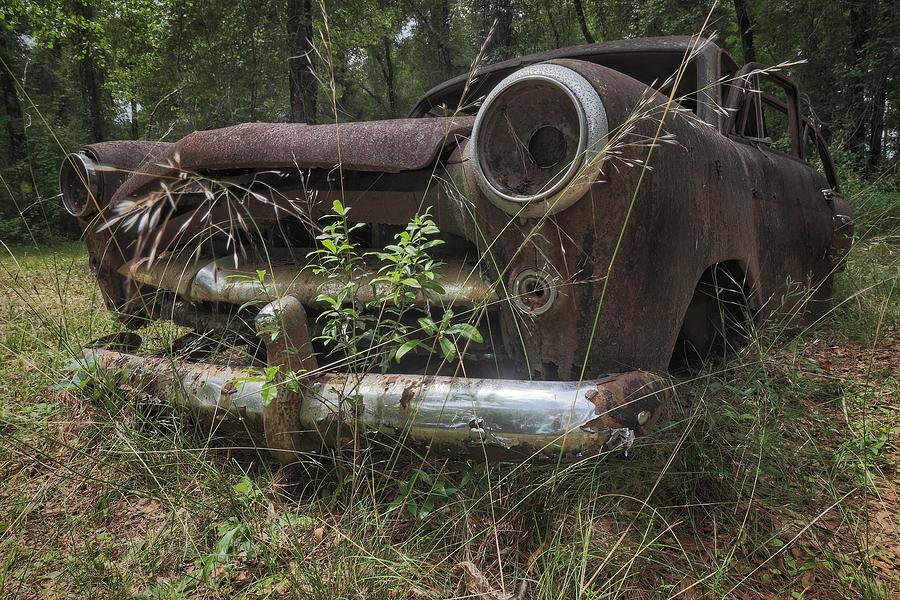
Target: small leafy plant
[421, 496]
[267, 376]
[344, 324]
[379, 329]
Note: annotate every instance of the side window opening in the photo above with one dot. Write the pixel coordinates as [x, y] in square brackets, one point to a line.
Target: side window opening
[811, 152]
[815, 153]
[765, 110]
[764, 115]
[749, 122]
[777, 126]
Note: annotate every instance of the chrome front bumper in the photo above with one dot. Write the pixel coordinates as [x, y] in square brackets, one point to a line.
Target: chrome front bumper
[456, 416]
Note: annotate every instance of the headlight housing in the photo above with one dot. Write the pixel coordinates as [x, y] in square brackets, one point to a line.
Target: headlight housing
[79, 185]
[538, 139]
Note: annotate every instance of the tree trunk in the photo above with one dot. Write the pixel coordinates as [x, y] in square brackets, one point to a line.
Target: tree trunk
[745, 25]
[303, 85]
[444, 39]
[856, 94]
[387, 69]
[495, 18]
[90, 72]
[15, 122]
[549, 8]
[436, 18]
[135, 130]
[501, 11]
[91, 81]
[876, 126]
[579, 10]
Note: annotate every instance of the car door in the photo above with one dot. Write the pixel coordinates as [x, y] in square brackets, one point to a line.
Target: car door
[793, 202]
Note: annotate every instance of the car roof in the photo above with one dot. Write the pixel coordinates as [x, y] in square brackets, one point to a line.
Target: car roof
[648, 45]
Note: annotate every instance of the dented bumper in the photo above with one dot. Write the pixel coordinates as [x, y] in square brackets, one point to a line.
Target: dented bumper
[483, 418]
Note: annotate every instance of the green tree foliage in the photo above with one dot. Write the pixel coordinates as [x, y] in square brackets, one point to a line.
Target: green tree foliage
[78, 71]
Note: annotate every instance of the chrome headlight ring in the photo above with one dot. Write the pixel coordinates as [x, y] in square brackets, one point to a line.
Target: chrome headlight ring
[538, 140]
[79, 184]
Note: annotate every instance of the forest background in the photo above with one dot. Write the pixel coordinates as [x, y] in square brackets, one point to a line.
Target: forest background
[81, 71]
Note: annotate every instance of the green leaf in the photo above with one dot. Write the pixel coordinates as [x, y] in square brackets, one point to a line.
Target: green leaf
[268, 392]
[405, 349]
[435, 287]
[395, 504]
[425, 476]
[330, 246]
[412, 507]
[470, 332]
[448, 349]
[243, 486]
[427, 325]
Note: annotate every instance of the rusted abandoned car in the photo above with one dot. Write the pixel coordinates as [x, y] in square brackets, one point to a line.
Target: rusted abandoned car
[602, 209]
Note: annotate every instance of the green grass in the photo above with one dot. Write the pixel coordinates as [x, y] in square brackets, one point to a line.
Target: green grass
[876, 207]
[774, 473]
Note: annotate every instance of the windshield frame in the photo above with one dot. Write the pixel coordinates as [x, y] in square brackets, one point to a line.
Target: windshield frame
[642, 50]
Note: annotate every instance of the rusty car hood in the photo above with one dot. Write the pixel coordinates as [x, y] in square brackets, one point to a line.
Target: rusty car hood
[382, 146]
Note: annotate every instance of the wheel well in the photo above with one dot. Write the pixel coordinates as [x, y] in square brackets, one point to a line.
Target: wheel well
[719, 316]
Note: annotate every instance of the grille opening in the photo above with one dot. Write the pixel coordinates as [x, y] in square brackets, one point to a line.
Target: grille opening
[281, 240]
[487, 359]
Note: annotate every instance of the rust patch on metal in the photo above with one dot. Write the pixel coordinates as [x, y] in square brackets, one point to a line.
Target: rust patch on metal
[409, 393]
[283, 327]
[629, 400]
[382, 146]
